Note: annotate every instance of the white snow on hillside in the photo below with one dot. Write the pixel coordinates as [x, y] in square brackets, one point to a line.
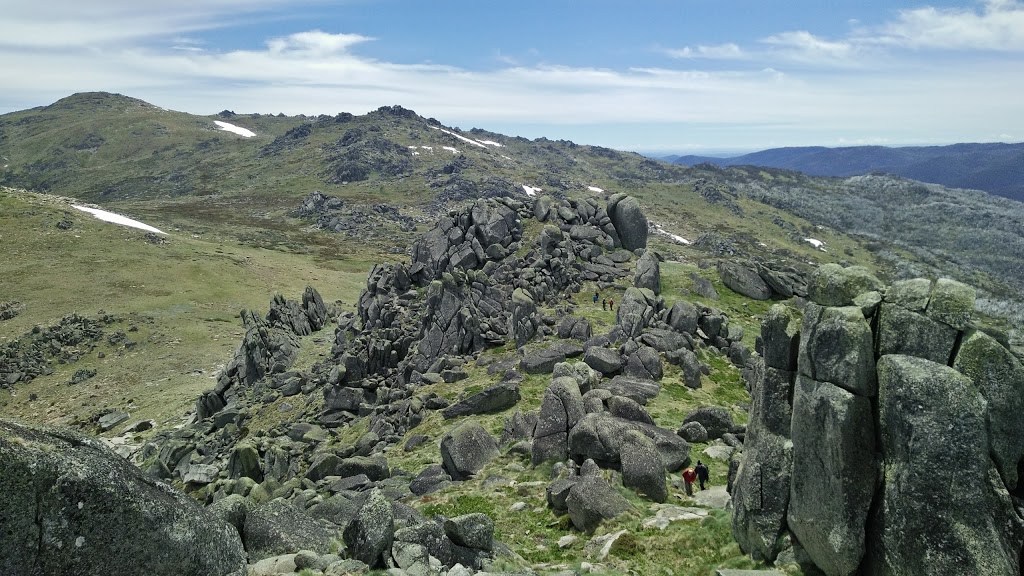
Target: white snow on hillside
[595, 189]
[674, 237]
[491, 143]
[450, 149]
[117, 219]
[463, 138]
[816, 243]
[234, 129]
[530, 190]
[431, 148]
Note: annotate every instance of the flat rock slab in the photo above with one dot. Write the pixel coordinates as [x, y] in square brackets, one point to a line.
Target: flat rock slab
[667, 514]
[713, 497]
[719, 452]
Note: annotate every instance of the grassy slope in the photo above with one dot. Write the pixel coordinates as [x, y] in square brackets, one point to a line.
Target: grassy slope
[184, 298]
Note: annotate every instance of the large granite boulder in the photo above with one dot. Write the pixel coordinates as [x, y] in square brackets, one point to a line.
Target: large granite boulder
[902, 331]
[635, 311]
[604, 360]
[72, 506]
[602, 438]
[648, 272]
[467, 449]
[496, 398]
[760, 495]
[629, 221]
[833, 285]
[641, 390]
[999, 376]
[370, 534]
[743, 280]
[715, 419]
[560, 410]
[836, 346]
[682, 317]
[780, 338]
[834, 474]
[591, 499]
[279, 527]
[642, 468]
[939, 512]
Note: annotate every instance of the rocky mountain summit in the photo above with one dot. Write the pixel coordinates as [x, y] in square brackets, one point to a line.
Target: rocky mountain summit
[884, 434]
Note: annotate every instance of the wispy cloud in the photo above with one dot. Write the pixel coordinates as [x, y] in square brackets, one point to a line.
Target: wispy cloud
[728, 51]
[992, 25]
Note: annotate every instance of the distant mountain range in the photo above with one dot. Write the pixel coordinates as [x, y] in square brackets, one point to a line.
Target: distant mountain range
[995, 168]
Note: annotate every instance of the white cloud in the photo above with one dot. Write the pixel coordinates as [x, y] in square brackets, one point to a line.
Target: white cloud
[728, 51]
[802, 46]
[998, 26]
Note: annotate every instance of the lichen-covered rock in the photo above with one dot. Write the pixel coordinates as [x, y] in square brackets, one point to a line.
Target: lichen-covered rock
[604, 360]
[601, 437]
[560, 409]
[72, 506]
[644, 364]
[901, 331]
[999, 375]
[642, 468]
[833, 285]
[833, 474]
[635, 311]
[467, 449]
[496, 398]
[760, 495]
[693, 432]
[780, 335]
[592, 500]
[951, 303]
[939, 513]
[629, 221]
[836, 346]
[682, 317]
[471, 530]
[715, 419]
[279, 527]
[371, 533]
[648, 272]
[743, 280]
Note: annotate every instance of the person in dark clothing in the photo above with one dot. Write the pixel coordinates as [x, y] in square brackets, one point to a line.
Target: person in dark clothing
[611, 304]
[702, 474]
[604, 305]
[596, 298]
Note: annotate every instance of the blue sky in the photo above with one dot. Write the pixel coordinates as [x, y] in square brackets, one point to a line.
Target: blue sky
[682, 76]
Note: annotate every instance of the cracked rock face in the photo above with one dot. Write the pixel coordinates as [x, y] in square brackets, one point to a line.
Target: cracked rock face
[74, 507]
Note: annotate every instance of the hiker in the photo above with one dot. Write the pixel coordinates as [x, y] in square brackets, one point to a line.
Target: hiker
[604, 305]
[596, 298]
[702, 474]
[688, 477]
[611, 304]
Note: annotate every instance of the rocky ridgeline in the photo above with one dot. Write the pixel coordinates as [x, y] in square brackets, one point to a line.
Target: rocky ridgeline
[884, 434]
[475, 281]
[33, 354]
[335, 215]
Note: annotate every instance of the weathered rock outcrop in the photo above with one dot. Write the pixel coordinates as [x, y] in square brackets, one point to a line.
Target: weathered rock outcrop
[74, 507]
[884, 437]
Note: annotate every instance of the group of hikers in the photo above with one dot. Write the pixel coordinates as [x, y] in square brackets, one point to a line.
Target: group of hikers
[700, 473]
[606, 304]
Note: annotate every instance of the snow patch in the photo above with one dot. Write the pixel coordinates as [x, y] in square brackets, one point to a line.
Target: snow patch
[595, 189]
[491, 143]
[530, 190]
[674, 237]
[117, 219]
[431, 148]
[816, 243]
[450, 149]
[234, 129]
[463, 138]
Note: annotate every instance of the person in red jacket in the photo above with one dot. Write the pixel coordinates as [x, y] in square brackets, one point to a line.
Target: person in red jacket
[688, 477]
